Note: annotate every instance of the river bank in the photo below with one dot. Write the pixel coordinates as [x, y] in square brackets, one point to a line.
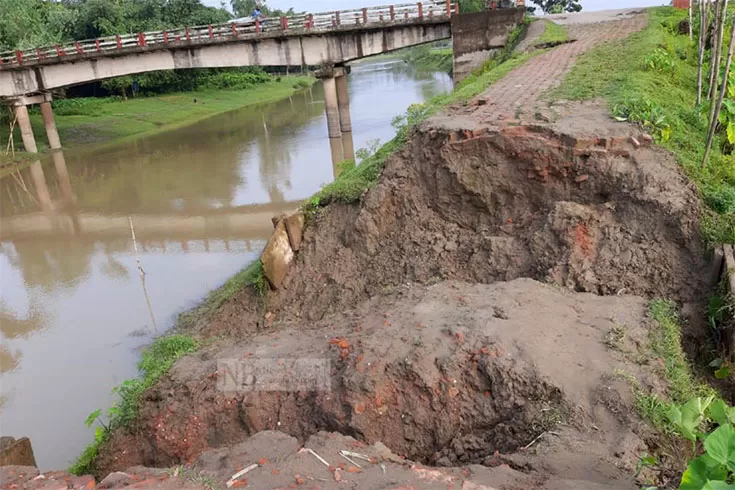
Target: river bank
[112, 120]
[201, 198]
[420, 281]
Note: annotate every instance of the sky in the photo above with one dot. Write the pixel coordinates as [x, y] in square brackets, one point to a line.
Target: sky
[324, 5]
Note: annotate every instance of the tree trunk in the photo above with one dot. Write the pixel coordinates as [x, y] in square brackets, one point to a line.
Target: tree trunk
[718, 55]
[723, 90]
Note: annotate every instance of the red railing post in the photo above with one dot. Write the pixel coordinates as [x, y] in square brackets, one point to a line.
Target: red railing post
[19, 56]
[141, 39]
[456, 8]
[421, 10]
[59, 51]
[449, 8]
[311, 21]
[234, 30]
[165, 37]
[364, 16]
[211, 32]
[98, 45]
[257, 26]
[392, 13]
[336, 16]
[492, 5]
[80, 50]
[188, 34]
[119, 41]
[284, 23]
[39, 54]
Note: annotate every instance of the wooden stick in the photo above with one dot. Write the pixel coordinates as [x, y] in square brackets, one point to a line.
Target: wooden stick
[723, 90]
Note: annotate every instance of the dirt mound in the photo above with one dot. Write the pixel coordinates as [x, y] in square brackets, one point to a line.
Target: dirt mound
[448, 374]
[599, 214]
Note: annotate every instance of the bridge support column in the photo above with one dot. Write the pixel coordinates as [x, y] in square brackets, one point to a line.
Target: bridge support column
[343, 100]
[26, 130]
[50, 123]
[332, 107]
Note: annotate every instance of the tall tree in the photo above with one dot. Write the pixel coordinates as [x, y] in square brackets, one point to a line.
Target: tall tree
[558, 6]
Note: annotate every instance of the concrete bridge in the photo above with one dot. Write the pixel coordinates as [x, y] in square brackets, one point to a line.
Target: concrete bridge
[329, 39]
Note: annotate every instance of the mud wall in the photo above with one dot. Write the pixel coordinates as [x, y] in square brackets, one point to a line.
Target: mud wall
[477, 35]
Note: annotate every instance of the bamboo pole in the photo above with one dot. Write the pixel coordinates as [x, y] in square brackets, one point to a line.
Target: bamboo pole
[715, 114]
[702, 40]
[715, 75]
[691, 28]
[714, 63]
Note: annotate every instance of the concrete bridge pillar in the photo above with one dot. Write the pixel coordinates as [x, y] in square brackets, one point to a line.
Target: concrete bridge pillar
[49, 122]
[26, 130]
[343, 100]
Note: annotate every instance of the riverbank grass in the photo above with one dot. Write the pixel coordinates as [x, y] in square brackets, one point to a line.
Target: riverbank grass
[650, 79]
[553, 35]
[156, 360]
[89, 121]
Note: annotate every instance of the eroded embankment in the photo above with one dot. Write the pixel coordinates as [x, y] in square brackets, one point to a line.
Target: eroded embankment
[452, 373]
[586, 210]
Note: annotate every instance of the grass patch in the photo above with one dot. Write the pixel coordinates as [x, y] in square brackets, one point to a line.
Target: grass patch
[553, 35]
[355, 180]
[252, 276]
[650, 78]
[96, 121]
[429, 58]
[665, 344]
[156, 360]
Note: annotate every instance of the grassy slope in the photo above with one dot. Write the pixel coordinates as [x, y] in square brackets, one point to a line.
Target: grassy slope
[112, 120]
[432, 58]
[620, 73]
[553, 34]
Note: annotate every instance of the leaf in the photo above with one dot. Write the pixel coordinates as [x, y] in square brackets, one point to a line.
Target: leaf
[99, 434]
[718, 412]
[723, 372]
[720, 445]
[700, 472]
[665, 134]
[92, 417]
[731, 132]
[716, 363]
[718, 485]
[689, 416]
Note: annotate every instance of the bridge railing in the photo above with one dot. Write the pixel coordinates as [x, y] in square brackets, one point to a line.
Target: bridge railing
[325, 21]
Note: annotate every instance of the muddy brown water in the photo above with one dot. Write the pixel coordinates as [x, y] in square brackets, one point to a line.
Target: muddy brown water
[74, 309]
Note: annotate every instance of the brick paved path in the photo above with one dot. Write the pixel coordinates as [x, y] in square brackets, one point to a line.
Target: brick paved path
[516, 95]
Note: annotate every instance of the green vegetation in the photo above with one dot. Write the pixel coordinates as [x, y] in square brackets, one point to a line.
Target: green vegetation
[252, 276]
[356, 179]
[665, 345]
[429, 58]
[553, 35]
[650, 79]
[156, 360]
[93, 120]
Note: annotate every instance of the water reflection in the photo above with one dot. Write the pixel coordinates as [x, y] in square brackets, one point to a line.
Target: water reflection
[74, 305]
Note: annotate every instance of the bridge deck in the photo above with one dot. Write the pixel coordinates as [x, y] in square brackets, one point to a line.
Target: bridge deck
[234, 31]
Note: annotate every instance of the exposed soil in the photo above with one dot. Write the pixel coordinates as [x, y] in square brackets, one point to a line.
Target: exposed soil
[447, 374]
[428, 301]
[590, 213]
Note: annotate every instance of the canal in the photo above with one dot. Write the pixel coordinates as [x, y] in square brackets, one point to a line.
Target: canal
[74, 309]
